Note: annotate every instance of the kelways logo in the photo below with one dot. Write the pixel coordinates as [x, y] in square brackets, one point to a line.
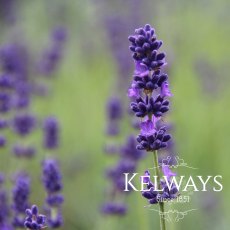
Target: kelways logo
[190, 182]
[178, 189]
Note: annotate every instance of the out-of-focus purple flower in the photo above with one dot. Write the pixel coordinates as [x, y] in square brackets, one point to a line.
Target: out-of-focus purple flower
[14, 60]
[3, 123]
[5, 102]
[52, 181]
[2, 141]
[23, 124]
[114, 109]
[21, 192]
[51, 133]
[59, 34]
[51, 176]
[6, 82]
[52, 56]
[4, 206]
[34, 220]
[22, 95]
[8, 12]
[114, 208]
[23, 151]
[129, 150]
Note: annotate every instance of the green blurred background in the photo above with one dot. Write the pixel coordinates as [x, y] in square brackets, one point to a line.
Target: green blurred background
[196, 35]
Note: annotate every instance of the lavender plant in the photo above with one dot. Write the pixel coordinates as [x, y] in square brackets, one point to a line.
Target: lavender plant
[150, 89]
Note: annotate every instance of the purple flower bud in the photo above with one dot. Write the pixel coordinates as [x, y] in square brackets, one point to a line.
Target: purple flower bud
[23, 124]
[52, 178]
[114, 109]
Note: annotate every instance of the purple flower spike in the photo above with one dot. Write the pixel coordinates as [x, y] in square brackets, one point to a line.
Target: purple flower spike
[34, 220]
[51, 133]
[51, 176]
[114, 109]
[21, 192]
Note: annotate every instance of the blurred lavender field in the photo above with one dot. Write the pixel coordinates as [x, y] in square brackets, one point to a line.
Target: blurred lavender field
[74, 57]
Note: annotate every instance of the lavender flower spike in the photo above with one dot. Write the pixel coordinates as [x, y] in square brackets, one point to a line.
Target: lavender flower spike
[151, 104]
[34, 220]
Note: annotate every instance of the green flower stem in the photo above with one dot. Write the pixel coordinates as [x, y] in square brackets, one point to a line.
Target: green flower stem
[161, 204]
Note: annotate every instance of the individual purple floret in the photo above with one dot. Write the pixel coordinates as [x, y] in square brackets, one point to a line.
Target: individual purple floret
[34, 220]
[51, 133]
[23, 124]
[23, 151]
[112, 208]
[21, 192]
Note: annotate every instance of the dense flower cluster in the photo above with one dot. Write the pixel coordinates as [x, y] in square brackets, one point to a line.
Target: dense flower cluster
[52, 181]
[34, 220]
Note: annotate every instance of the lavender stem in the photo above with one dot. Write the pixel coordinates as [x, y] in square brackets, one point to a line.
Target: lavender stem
[161, 204]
